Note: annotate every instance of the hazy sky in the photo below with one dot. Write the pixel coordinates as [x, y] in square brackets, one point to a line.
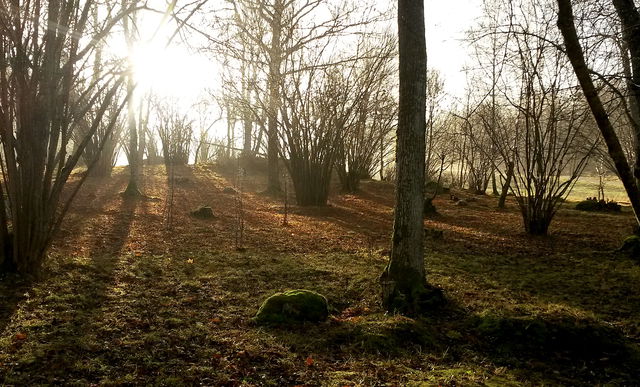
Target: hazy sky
[446, 23]
[184, 76]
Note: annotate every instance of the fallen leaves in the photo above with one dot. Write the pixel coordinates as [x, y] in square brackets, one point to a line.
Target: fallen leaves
[309, 361]
[20, 336]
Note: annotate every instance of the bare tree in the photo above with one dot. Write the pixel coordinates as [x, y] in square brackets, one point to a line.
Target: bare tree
[365, 111]
[629, 18]
[280, 29]
[175, 131]
[490, 43]
[309, 113]
[103, 146]
[437, 127]
[45, 94]
[133, 149]
[549, 154]
[478, 153]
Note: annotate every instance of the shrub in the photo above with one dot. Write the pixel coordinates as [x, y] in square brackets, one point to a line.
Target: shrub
[593, 204]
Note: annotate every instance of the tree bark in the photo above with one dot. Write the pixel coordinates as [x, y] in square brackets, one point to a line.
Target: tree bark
[576, 57]
[247, 122]
[404, 280]
[275, 59]
[132, 189]
[507, 184]
[630, 20]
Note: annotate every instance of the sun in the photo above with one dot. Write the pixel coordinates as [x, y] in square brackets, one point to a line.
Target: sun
[169, 71]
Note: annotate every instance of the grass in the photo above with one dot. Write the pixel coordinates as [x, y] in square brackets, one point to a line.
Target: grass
[587, 186]
[126, 301]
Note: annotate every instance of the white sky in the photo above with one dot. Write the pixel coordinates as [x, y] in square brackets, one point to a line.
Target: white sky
[446, 22]
[176, 71]
[185, 76]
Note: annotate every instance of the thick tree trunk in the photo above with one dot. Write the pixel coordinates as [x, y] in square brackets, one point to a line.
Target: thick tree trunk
[404, 280]
[576, 56]
[132, 189]
[630, 19]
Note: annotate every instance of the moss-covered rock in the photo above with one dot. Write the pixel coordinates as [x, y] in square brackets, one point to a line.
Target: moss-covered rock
[631, 247]
[203, 212]
[293, 306]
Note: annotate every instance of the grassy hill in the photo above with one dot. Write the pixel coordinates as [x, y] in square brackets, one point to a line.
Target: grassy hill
[129, 298]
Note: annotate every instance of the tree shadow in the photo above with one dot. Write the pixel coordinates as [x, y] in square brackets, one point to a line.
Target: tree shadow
[91, 200]
[556, 351]
[77, 290]
[13, 290]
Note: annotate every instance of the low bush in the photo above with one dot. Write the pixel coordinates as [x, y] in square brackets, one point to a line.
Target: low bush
[601, 205]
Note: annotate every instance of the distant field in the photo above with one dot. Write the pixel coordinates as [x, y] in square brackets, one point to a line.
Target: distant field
[587, 186]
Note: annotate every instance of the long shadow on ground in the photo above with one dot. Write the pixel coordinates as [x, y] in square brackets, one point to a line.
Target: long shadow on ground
[64, 327]
[13, 289]
[525, 350]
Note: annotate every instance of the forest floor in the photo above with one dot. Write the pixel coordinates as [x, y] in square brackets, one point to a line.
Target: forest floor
[126, 298]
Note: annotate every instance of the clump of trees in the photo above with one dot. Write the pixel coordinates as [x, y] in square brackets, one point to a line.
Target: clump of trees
[317, 112]
[175, 131]
[48, 97]
[521, 120]
[367, 110]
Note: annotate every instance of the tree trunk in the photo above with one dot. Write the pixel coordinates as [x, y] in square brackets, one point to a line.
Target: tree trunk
[349, 180]
[6, 239]
[247, 123]
[247, 151]
[630, 20]
[506, 185]
[404, 281]
[576, 57]
[230, 126]
[494, 185]
[310, 182]
[381, 158]
[132, 189]
[275, 59]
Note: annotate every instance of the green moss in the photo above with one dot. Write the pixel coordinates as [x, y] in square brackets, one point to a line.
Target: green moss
[293, 306]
